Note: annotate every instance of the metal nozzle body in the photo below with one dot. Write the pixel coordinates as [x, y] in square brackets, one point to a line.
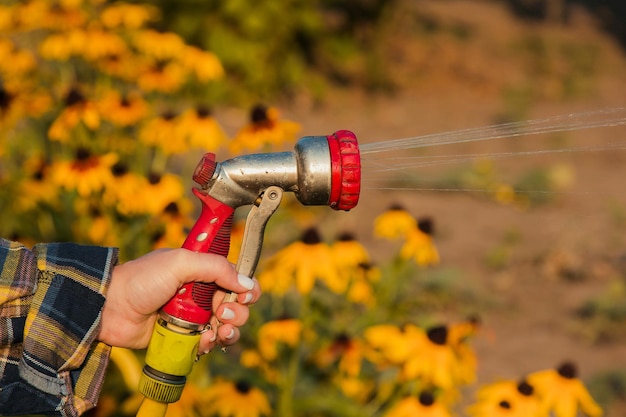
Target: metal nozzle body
[306, 172]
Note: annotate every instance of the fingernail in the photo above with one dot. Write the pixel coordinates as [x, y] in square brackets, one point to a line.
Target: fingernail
[231, 334]
[206, 351]
[248, 298]
[228, 314]
[214, 337]
[245, 281]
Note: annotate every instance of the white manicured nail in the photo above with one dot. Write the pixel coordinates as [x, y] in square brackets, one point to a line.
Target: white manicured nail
[245, 281]
[231, 334]
[228, 314]
[248, 298]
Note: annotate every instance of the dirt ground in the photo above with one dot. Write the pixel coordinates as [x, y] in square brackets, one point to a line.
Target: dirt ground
[448, 86]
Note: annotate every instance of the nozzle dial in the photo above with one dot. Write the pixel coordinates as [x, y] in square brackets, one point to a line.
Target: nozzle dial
[345, 170]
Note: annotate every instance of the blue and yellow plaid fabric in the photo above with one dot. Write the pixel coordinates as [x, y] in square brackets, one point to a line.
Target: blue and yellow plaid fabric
[51, 298]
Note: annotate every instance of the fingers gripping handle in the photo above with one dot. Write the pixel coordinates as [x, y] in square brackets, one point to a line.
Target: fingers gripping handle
[211, 233]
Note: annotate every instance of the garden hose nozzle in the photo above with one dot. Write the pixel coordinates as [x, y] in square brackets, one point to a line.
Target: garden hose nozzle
[321, 170]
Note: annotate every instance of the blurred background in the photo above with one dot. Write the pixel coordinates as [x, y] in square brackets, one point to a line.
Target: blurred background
[530, 230]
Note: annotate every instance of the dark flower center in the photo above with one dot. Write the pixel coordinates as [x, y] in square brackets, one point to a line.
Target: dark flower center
[243, 386]
[311, 236]
[427, 399]
[258, 114]
[525, 389]
[438, 335]
[568, 370]
[74, 97]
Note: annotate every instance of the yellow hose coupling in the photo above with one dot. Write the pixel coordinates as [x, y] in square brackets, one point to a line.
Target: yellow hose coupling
[169, 359]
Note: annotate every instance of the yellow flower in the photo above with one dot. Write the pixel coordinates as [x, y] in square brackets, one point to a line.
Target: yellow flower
[491, 409]
[388, 344]
[14, 62]
[163, 132]
[130, 16]
[301, 263]
[205, 65]
[347, 351]
[234, 399]
[123, 111]
[62, 46]
[175, 224]
[85, 174]
[123, 191]
[394, 223]
[160, 191]
[77, 109]
[419, 245]
[159, 45]
[236, 239]
[348, 253]
[514, 398]
[100, 43]
[361, 290]
[201, 130]
[563, 393]
[265, 130]
[423, 406]
[18, 101]
[275, 333]
[94, 226]
[252, 359]
[162, 76]
[36, 187]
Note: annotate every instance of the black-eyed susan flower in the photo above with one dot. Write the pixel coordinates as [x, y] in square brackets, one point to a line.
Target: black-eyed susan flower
[174, 224]
[85, 174]
[164, 76]
[93, 225]
[419, 245]
[276, 333]
[201, 130]
[159, 45]
[394, 223]
[361, 290]
[123, 110]
[433, 360]
[265, 130]
[125, 190]
[563, 393]
[160, 191]
[388, 344]
[252, 359]
[36, 187]
[77, 110]
[348, 254]
[345, 354]
[425, 405]
[234, 399]
[128, 16]
[519, 398]
[203, 64]
[15, 61]
[502, 408]
[459, 335]
[163, 132]
[300, 264]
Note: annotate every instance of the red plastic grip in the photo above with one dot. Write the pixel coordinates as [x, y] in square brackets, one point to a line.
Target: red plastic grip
[193, 302]
[345, 170]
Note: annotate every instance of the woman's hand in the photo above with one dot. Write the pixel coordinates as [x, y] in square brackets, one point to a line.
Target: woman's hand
[139, 288]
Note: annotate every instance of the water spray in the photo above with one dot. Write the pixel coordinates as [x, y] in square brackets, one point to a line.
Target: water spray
[321, 170]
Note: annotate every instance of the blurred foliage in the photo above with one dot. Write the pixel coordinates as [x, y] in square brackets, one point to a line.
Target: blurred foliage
[280, 48]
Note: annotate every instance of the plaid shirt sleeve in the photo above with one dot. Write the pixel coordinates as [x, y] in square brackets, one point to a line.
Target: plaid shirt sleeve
[51, 298]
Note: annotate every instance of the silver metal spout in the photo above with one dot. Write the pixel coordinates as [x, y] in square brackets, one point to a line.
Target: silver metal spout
[306, 172]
